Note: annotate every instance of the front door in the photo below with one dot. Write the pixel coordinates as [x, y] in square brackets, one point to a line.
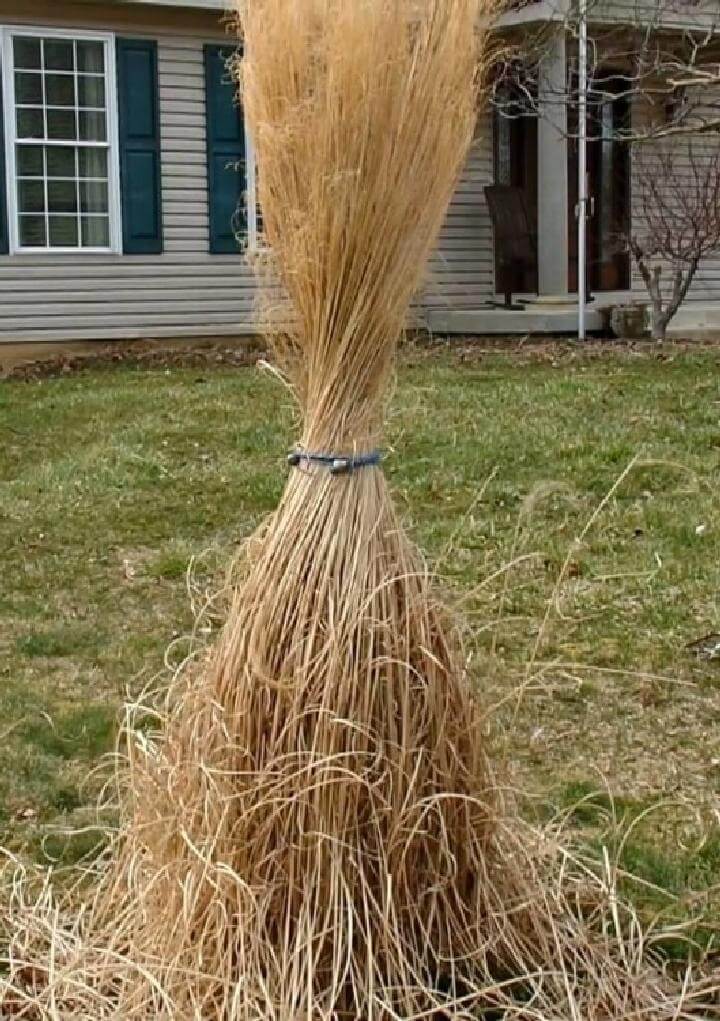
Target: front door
[608, 160]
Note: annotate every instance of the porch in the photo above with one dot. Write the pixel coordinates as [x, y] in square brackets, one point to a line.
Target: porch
[535, 317]
[535, 163]
[694, 321]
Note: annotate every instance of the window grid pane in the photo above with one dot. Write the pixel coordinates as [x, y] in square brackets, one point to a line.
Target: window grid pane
[31, 196]
[27, 52]
[28, 89]
[63, 231]
[33, 231]
[30, 161]
[60, 90]
[58, 54]
[61, 143]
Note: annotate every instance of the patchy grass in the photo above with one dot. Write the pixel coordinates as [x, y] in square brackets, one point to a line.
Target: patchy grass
[570, 503]
[55, 642]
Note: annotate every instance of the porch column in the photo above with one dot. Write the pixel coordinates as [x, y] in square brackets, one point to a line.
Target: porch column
[553, 169]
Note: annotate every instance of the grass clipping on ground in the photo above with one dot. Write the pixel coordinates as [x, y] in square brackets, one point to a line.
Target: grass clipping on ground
[317, 833]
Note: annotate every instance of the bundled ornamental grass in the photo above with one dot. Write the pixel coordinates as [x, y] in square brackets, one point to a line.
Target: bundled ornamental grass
[316, 834]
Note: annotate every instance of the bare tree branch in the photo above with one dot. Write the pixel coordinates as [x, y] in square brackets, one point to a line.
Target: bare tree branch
[677, 213]
[667, 52]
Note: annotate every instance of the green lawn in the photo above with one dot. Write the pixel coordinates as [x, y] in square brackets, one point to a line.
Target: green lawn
[112, 478]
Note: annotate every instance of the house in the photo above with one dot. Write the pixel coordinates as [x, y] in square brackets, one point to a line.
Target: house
[119, 195]
[125, 165]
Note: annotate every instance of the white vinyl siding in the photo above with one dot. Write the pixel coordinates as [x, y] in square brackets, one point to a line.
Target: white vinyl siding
[461, 273]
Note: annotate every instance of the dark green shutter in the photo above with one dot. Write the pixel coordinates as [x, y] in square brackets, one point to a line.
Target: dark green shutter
[225, 153]
[140, 166]
[4, 239]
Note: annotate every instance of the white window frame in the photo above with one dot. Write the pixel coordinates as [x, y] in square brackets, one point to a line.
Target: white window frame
[251, 191]
[251, 196]
[7, 34]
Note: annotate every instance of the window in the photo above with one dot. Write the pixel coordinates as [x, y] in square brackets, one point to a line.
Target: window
[61, 141]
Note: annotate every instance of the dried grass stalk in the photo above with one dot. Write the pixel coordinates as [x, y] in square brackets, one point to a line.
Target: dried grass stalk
[317, 835]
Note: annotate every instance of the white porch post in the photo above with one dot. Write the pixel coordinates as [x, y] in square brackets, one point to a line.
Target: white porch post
[553, 169]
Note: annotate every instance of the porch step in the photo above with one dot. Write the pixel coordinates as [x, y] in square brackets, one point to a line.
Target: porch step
[533, 319]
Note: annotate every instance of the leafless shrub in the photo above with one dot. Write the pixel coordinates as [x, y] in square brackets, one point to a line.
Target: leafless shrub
[677, 212]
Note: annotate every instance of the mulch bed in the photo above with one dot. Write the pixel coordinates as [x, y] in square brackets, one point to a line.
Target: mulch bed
[247, 351]
[157, 354]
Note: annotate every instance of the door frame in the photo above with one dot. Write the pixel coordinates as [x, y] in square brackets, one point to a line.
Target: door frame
[608, 261]
[515, 118]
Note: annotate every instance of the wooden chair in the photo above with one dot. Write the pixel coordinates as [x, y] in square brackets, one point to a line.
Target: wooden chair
[515, 239]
